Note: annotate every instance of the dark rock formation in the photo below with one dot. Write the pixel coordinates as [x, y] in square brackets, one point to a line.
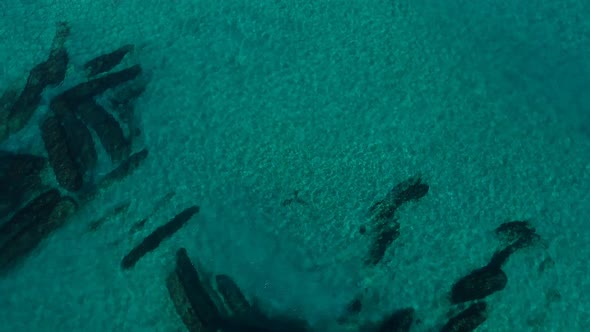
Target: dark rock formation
[50, 72]
[479, 284]
[182, 304]
[65, 168]
[85, 91]
[383, 212]
[125, 168]
[467, 320]
[521, 232]
[31, 214]
[106, 127]
[106, 62]
[152, 241]
[409, 190]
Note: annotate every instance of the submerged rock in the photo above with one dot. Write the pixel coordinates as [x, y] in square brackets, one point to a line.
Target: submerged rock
[106, 62]
[200, 301]
[152, 241]
[467, 320]
[387, 227]
[107, 129]
[409, 190]
[33, 213]
[50, 72]
[125, 168]
[40, 222]
[65, 168]
[86, 91]
[521, 232]
[479, 284]
[182, 304]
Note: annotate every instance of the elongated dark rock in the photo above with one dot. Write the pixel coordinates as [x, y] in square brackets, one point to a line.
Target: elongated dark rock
[199, 299]
[232, 295]
[50, 72]
[468, 319]
[33, 213]
[27, 239]
[182, 304]
[161, 233]
[409, 190]
[80, 142]
[65, 168]
[384, 237]
[88, 90]
[399, 321]
[107, 129]
[106, 62]
[125, 168]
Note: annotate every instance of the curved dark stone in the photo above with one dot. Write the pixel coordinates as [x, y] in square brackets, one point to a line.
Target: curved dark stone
[521, 232]
[107, 129]
[409, 190]
[152, 241]
[399, 321]
[65, 168]
[468, 319]
[106, 62]
[232, 295]
[479, 284]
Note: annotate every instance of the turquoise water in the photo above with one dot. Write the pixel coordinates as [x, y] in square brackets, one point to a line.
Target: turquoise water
[250, 101]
